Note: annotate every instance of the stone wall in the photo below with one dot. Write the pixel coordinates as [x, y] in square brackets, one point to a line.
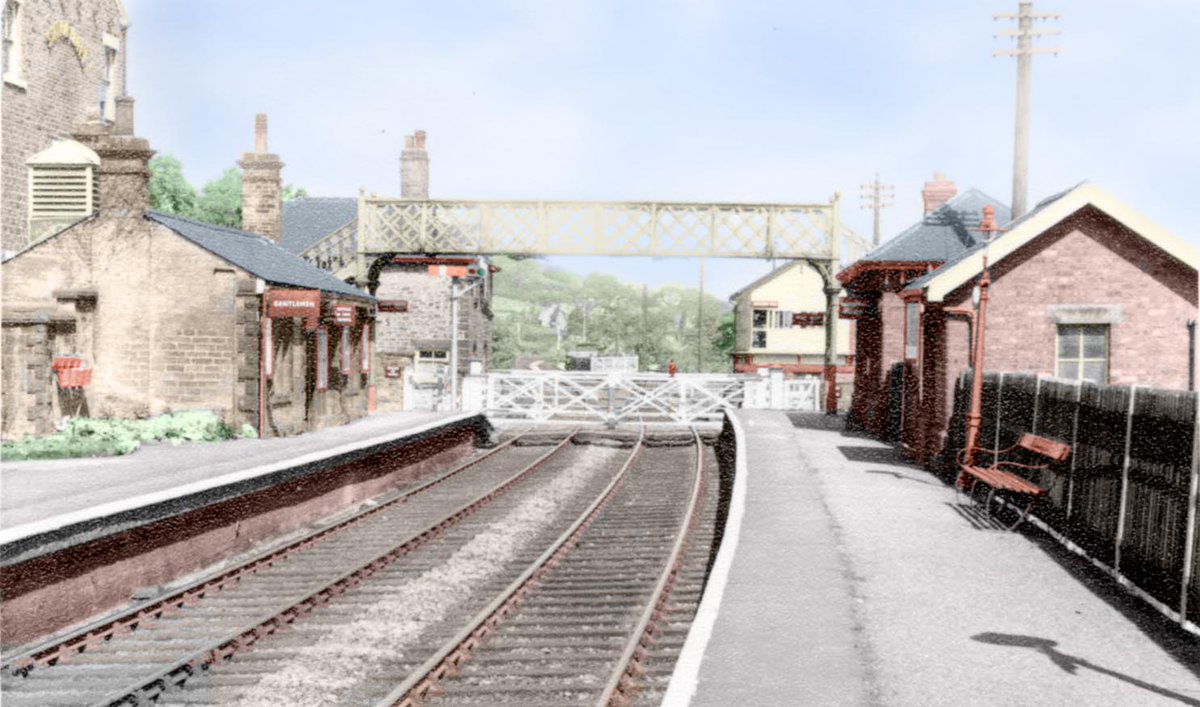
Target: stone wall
[59, 88]
[163, 334]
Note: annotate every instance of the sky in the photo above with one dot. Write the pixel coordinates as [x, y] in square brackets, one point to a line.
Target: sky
[678, 100]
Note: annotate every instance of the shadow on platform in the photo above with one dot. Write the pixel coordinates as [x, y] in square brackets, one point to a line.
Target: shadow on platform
[1071, 664]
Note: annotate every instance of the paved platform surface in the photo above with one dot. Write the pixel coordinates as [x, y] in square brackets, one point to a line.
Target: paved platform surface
[858, 580]
[37, 492]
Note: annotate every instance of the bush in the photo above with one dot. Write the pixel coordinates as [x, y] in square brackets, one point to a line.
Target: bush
[84, 437]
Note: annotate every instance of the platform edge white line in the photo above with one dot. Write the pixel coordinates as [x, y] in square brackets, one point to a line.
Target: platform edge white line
[686, 676]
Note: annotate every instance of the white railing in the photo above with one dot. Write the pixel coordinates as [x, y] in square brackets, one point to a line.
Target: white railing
[616, 397]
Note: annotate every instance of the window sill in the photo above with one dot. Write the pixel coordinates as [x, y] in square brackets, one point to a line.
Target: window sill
[13, 80]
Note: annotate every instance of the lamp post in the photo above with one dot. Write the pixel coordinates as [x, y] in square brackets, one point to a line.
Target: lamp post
[980, 297]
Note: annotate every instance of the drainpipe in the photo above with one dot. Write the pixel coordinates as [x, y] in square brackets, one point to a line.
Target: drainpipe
[1191, 325]
[262, 366]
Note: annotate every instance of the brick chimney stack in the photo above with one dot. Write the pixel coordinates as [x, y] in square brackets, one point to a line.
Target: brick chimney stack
[937, 192]
[414, 167]
[124, 174]
[262, 189]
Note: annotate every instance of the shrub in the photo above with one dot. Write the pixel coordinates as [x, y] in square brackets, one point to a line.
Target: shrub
[84, 437]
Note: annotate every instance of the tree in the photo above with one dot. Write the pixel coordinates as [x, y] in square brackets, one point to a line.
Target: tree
[170, 191]
[220, 201]
[291, 191]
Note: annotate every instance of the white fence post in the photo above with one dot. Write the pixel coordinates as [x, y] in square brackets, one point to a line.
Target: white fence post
[1122, 513]
[1189, 545]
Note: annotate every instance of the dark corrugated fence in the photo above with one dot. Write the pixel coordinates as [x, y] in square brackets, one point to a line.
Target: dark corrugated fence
[1126, 493]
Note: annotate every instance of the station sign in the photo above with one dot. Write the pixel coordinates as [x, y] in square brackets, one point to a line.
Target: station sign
[294, 303]
[392, 305]
[855, 308]
[764, 304]
[344, 315]
[807, 319]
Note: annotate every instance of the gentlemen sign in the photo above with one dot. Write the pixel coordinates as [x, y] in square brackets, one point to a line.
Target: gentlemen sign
[294, 303]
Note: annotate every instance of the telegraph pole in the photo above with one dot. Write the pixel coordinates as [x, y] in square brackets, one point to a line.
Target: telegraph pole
[877, 197]
[1024, 52]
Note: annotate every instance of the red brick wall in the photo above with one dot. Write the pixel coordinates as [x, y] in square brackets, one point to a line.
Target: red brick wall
[1088, 259]
[880, 345]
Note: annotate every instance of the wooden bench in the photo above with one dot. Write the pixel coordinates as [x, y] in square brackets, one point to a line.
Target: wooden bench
[998, 477]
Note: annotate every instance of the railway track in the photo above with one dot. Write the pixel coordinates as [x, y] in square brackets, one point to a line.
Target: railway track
[566, 567]
[579, 625]
[133, 657]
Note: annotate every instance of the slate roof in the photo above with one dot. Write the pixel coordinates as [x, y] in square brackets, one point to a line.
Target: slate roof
[308, 219]
[256, 255]
[942, 234]
[922, 281]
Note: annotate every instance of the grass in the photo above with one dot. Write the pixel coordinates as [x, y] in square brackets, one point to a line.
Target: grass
[85, 437]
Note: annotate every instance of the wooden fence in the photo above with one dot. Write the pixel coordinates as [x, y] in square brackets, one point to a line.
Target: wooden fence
[1128, 492]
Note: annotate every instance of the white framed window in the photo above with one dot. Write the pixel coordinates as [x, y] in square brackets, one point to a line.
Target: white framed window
[758, 339]
[108, 81]
[11, 55]
[1081, 352]
[432, 361]
[912, 329]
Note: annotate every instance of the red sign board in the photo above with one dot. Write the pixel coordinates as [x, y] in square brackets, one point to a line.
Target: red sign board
[764, 304]
[393, 305]
[803, 319]
[852, 308]
[391, 370]
[343, 314]
[293, 303]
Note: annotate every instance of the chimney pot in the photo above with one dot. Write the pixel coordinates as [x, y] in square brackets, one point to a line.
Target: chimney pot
[262, 188]
[123, 125]
[937, 192]
[414, 167]
[260, 132]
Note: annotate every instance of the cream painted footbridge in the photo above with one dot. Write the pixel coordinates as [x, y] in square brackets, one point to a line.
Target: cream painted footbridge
[388, 226]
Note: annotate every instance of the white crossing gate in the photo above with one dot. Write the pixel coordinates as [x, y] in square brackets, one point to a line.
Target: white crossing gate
[617, 397]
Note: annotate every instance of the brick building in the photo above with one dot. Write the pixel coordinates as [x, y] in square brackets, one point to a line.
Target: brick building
[61, 61]
[414, 332]
[1083, 288]
[873, 284]
[168, 313]
[779, 322]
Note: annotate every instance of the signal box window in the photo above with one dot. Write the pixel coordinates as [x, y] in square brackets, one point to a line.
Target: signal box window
[759, 340]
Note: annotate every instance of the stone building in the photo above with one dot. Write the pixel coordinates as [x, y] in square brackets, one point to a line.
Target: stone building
[165, 313]
[61, 61]
[414, 291]
[1083, 288]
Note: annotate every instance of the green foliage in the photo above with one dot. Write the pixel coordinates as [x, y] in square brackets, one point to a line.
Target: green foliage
[170, 191]
[85, 437]
[601, 314]
[291, 191]
[220, 201]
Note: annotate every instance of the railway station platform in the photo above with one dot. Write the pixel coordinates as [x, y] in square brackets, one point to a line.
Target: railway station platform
[850, 577]
[42, 498]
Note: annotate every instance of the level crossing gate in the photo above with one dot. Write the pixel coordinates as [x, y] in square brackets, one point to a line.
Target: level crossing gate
[622, 397]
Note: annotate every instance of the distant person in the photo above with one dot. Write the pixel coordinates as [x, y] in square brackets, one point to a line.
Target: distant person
[671, 368]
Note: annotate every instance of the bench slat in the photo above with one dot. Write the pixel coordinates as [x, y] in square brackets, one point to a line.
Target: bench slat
[1055, 451]
[1004, 480]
